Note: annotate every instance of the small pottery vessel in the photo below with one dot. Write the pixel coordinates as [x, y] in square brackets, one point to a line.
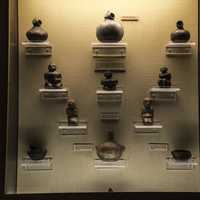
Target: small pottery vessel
[72, 113]
[53, 79]
[181, 155]
[37, 33]
[110, 30]
[108, 83]
[110, 190]
[180, 35]
[147, 113]
[164, 78]
[37, 150]
[110, 150]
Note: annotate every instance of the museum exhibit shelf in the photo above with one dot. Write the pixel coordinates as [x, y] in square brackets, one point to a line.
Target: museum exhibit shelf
[111, 165]
[54, 94]
[38, 48]
[140, 128]
[179, 49]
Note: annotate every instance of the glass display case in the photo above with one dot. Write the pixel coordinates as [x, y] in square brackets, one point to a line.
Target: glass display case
[100, 99]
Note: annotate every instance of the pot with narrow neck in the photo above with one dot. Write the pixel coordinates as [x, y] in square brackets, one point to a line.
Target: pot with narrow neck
[37, 33]
[180, 35]
[110, 31]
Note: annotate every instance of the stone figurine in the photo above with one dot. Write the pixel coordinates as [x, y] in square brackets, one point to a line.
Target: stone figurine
[164, 78]
[110, 150]
[53, 79]
[110, 30]
[72, 113]
[180, 35]
[37, 33]
[37, 149]
[109, 83]
[147, 113]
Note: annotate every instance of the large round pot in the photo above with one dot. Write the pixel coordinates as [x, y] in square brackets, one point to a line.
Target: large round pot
[110, 30]
[180, 35]
[37, 33]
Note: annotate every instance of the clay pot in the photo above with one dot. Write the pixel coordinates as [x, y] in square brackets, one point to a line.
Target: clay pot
[180, 35]
[181, 155]
[110, 30]
[36, 152]
[110, 150]
[36, 33]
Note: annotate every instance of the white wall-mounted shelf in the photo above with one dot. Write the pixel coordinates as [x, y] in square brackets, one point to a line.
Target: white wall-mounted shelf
[54, 94]
[66, 130]
[164, 94]
[179, 49]
[173, 164]
[114, 96]
[37, 165]
[38, 48]
[113, 165]
[140, 128]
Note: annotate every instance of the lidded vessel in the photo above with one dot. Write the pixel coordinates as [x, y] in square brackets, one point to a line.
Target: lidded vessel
[180, 35]
[110, 30]
[37, 33]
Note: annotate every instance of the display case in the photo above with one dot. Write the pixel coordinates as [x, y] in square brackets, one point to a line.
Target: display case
[99, 99]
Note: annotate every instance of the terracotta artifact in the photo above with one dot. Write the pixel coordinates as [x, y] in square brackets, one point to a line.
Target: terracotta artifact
[37, 33]
[72, 113]
[109, 83]
[110, 30]
[53, 79]
[110, 150]
[147, 113]
[180, 35]
[181, 155]
[164, 78]
[37, 150]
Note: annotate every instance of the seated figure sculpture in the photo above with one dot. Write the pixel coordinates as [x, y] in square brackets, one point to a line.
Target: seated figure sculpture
[147, 113]
[72, 113]
[164, 78]
[108, 83]
[53, 79]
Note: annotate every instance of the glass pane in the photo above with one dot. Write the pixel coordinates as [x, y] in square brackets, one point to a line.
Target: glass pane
[81, 130]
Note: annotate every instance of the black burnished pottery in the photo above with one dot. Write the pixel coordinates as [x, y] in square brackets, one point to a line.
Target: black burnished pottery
[147, 113]
[180, 35]
[110, 150]
[37, 33]
[53, 79]
[109, 83]
[181, 155]
[110, 30]
[164, 78]
[36, 152]
[72, 113]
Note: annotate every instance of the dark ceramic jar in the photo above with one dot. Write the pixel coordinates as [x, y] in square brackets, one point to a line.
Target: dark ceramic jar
[164, 78]
[110, 150]
[72, 113]
[180, 35]
[110, 30]
[36, 33]
[36, 152]
[181, 155]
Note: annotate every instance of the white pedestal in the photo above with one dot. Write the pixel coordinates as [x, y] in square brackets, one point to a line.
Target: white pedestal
[104, 96]
[140, 128]
[179, 49]
[109, 56]
[54, 94]
[164, 94]
[39, 165]
[66, 130]
[38, 48]
[173, 164]
[102, 165]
